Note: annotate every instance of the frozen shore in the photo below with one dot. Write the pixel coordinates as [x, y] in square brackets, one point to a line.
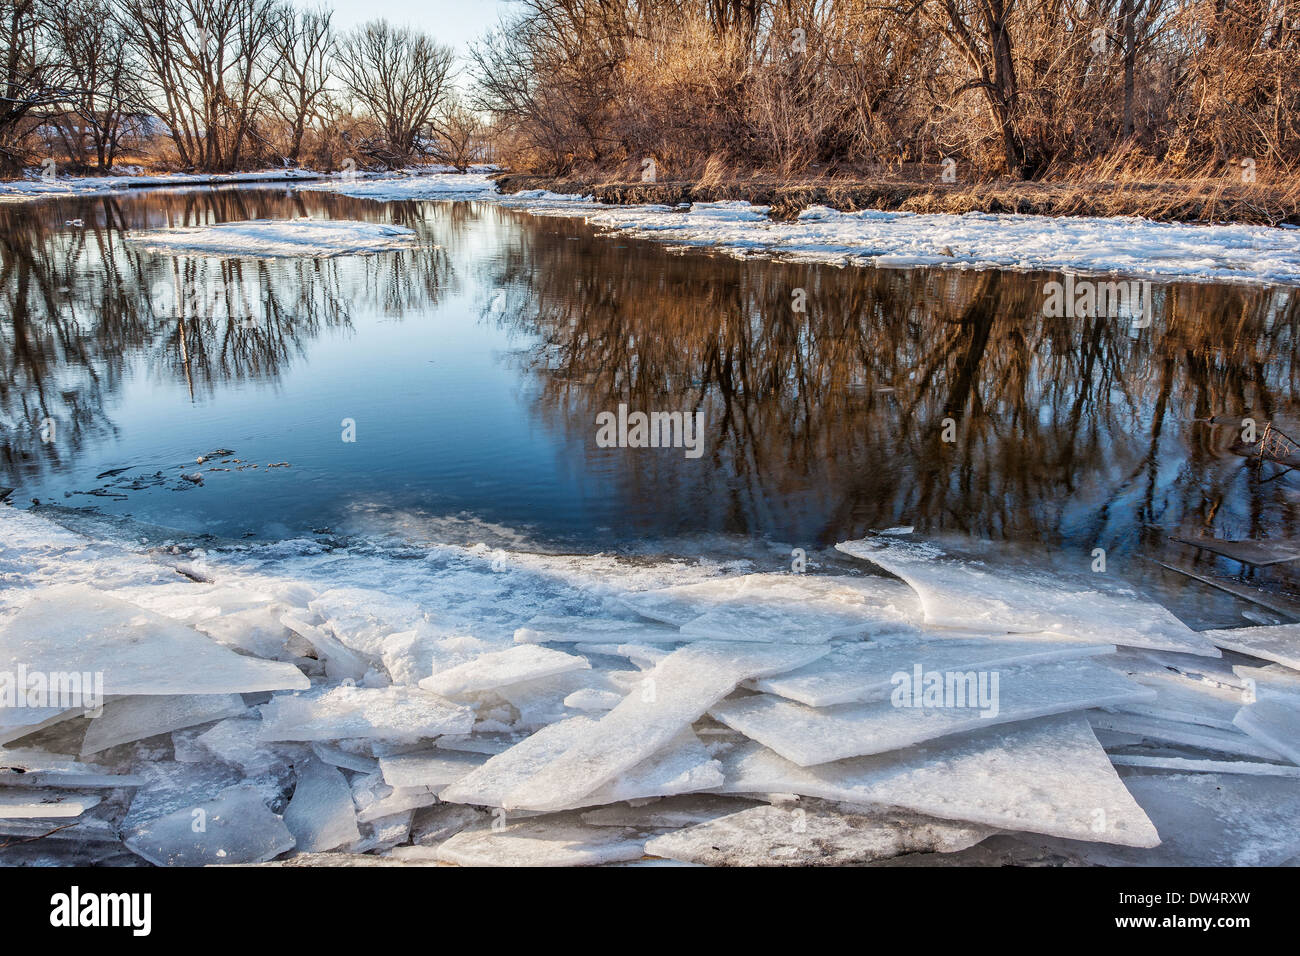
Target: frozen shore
[488, 707]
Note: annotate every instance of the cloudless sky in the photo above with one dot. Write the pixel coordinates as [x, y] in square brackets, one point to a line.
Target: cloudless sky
[454, 22]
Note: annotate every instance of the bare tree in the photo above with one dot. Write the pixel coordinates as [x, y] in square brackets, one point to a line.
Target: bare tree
[459, 134]
[33, 81]
[304, 45]
[400, 77]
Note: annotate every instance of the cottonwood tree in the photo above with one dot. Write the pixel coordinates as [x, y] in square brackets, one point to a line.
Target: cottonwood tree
[459, 134]
[304, 45]
[34, 80]
[400, 77]
[93, 48]
[206, 63]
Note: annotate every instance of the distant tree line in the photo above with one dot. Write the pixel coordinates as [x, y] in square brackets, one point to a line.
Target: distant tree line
[1029, 87]
[224, 84]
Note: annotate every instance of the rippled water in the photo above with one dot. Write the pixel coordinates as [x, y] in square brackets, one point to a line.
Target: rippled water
[474, 367]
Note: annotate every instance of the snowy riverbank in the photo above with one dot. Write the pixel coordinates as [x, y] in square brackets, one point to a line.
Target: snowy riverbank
[362, 700]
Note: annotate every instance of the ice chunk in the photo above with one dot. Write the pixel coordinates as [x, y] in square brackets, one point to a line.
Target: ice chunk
[1273, 724]
[75, 629]
[49, 805]
[321, 815]
[668, 813]
[590, 699]
[17, 722]
[1186, 765]
[341, 662]
[236, 827]
[434, 824]
[1210, 819]
[560, 840]
[1186, 735]
[549, 629]
[1192, 702]
[675, 694]
[809, 735]
[1279, 643]
[1046, 776]
[812, 836]
[134, 718]
[394, 713]
[523, 662]
[384, 833]
[860, 672]
[363, 618]
[35, 768]
[781, 608]
[338, 757]
[432, 769]
[972, 594]
[239, 741]
[683, 765]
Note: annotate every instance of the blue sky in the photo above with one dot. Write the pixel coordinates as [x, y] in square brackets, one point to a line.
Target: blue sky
[454, 22]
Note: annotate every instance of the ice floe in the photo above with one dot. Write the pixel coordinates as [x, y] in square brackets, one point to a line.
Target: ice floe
[277, 238]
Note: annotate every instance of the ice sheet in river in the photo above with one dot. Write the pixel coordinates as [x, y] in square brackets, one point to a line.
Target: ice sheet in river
[864, 671]
[672, 696]
[273, 238]
[1047, 776]
[974, 595]
[815, 735]
[75, 629]
[559, 840]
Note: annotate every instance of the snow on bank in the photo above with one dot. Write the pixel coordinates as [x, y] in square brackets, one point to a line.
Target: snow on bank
[264, 238]
[615, 697]
[397, 186]
[61, 186]
[1126, 246]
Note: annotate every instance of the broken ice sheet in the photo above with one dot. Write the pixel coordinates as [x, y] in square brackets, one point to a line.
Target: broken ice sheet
[238, 741]
[668, 813]
[523, 662]
[432, 825]
[813, 835]
[548, 629]
[18, 722]
[673, 695]
[134, 718]
[972, 594]
[363, 618]
[1211, 820]
[1191, 702]
[321, 815]
[46, 805]
[1234, 742]
[1045, 776]
[376, 800]
[341, 662]
[384, 834]
[433, 769]
[76, 629]
[1190, 765]
[236, 827]
[553, 840]
[1279, 643]
[390, 713]
[683, 765]
[864, 671]
[781, 608]
[35, 768]
[1273, 724]
[812, 735]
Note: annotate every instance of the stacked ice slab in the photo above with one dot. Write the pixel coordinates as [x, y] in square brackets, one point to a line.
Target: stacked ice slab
[960, 713]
